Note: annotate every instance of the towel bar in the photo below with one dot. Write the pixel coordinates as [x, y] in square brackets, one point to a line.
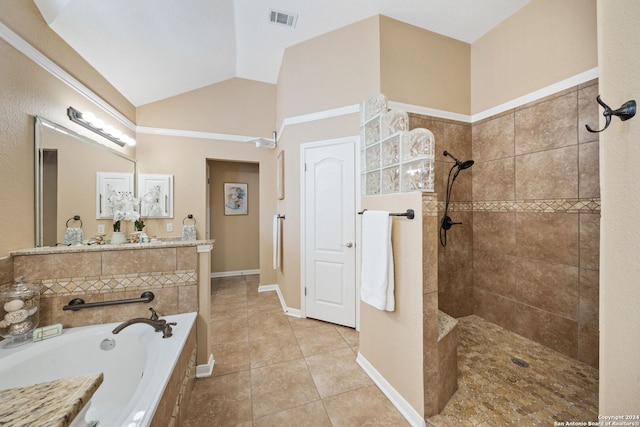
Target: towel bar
[410, 213]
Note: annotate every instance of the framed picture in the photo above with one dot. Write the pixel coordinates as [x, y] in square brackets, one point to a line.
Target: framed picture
[280, 175]
[235, 198]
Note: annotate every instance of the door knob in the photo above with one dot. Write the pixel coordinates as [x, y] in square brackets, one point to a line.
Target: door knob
[349, 244]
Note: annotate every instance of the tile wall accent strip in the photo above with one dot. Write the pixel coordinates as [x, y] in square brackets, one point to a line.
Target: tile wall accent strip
[430, 206]
[591, 205]
[116, 283]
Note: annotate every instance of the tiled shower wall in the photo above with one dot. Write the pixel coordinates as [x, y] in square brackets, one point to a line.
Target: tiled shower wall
[455, 278]
[536, 221]
[527, 254]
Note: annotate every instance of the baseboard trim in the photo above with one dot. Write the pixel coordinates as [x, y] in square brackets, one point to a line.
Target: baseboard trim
[234, 273]
[407, 411]
[293, 312]
[204, 371]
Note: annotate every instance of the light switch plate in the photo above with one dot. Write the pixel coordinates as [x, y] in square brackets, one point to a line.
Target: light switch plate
[100, 228]
[169, 227]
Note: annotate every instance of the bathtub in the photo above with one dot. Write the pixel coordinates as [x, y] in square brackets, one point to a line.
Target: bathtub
[136, 370]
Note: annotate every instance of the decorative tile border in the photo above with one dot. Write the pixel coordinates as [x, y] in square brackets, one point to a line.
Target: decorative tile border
[429, 205]
[591, 205]
[116, 283]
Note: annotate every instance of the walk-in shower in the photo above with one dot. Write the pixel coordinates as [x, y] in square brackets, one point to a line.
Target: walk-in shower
[447, 222]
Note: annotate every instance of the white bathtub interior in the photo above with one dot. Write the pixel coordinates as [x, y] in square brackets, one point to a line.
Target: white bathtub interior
[136, 370]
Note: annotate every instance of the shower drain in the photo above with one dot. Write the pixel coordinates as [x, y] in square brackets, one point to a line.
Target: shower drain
[520, 362]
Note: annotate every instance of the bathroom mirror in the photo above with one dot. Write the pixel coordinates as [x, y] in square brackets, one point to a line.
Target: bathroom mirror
[66, 166]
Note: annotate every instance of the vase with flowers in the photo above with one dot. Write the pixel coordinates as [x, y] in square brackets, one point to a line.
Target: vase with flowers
[123, 206]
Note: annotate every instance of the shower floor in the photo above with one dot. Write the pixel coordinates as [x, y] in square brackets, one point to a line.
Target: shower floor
[495, 391]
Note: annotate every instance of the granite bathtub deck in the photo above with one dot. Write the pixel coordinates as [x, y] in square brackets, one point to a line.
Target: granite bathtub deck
[50, 404]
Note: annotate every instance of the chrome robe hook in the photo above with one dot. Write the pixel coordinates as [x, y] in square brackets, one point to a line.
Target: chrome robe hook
[625, 112]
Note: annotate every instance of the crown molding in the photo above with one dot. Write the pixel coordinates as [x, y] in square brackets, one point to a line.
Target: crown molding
[193, 134]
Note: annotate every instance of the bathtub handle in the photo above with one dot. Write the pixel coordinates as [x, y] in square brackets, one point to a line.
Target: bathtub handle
[167, 331]
[78, 303]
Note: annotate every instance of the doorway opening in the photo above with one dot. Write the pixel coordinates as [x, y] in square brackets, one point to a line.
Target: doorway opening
[234, 217]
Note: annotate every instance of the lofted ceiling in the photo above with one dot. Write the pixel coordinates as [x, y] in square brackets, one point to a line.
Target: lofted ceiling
[153, 49]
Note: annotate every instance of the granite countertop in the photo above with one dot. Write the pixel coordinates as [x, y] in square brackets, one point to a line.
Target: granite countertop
[125, 246]
[51, 404]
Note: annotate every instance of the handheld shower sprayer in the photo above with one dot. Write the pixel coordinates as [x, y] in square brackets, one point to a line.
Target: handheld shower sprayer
[446, 223]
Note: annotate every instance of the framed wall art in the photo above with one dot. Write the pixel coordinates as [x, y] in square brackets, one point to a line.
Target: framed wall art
[235, 198]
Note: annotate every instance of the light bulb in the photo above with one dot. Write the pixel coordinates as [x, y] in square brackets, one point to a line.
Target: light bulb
[98, 123]
[88, 117]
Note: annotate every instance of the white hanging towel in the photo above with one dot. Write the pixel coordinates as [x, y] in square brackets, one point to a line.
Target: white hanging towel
[377, 278]
[276, 241]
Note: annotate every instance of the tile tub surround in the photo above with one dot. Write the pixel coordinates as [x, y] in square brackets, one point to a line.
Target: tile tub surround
[53, 403]
[172, 409]
[175, 271]
[110, 272]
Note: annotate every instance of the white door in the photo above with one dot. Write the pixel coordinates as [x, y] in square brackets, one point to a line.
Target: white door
[329, 253]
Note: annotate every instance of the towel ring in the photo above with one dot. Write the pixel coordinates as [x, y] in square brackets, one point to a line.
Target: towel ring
[190, 216]
[74, 218]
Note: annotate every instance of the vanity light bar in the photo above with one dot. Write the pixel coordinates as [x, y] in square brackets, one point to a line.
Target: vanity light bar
[89, 121]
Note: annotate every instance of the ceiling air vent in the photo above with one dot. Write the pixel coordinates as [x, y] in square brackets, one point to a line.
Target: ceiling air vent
[283, 18]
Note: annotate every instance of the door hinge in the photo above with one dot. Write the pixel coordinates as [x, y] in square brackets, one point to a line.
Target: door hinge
[305, 167]
[305, 291]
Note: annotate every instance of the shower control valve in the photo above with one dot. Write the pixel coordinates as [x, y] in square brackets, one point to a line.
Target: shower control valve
[447, 222]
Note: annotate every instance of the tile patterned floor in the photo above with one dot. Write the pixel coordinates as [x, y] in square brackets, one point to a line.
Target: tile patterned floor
[275, 370]
[494, 391]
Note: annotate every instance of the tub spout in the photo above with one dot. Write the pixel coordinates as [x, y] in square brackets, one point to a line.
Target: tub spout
[158, 325]
[155, 322]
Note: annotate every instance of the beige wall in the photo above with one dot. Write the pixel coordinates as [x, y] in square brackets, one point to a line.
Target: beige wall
[337, 69]
[393, 341]
[333, 70]
[370, 48]
[29, 90]
[23, 17]
[618, 57]
[288, 276]
[419, 67]
[235, 107]
[237, 236]
[545, 42]
[187, 161]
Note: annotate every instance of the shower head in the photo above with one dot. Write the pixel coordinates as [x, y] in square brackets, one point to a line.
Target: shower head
[465, 165]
